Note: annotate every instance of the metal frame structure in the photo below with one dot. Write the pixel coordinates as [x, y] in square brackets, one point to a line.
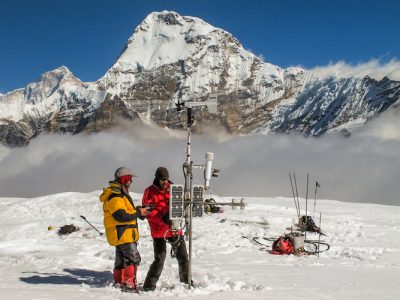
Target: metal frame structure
[192, 195]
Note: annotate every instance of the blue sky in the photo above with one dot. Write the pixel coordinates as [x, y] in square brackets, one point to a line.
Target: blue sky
[87, 36]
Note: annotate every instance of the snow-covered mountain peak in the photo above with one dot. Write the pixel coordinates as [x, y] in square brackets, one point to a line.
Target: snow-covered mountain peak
[59, 74]
[167, 37]
[170, 57]
[191, 58]
[49, 83]
[39, 98]
[55, 77]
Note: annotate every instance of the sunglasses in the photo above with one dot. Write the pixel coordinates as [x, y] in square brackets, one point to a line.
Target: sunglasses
[125, 179]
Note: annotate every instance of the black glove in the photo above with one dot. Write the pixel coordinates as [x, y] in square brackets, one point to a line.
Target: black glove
[166, 219]
[139, 213]
[149, 207]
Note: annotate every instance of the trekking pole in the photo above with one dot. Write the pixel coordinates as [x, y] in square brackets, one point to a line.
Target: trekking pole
[306, 207]
[297, 193]
[294, 198]
[319, 235]
[83, 217]
[315, 196]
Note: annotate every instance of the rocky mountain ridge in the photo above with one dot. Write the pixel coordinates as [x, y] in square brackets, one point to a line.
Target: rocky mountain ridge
[171, 58]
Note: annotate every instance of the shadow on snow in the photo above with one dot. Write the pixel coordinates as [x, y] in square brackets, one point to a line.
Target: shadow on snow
[75, 276]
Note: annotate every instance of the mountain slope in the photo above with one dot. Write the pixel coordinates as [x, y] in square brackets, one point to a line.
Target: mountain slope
[56, 102]
[171, 58]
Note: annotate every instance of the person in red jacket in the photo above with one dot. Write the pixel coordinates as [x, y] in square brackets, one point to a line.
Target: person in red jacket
[157, 196]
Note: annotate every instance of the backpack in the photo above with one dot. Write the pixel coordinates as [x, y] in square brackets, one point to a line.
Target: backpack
[282, 245]
[210, 207]
[67, 229]
[311, 226]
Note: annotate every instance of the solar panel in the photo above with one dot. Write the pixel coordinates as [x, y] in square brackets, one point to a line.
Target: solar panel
[176, 202]
[197, 208]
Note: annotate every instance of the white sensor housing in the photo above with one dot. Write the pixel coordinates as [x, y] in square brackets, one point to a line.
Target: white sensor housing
[208, 169]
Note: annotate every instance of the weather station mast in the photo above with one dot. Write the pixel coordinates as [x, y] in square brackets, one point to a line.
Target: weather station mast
[187, 200]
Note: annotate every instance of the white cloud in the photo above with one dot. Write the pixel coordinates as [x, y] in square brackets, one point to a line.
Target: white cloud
[362, 168]
[373, 68]
[385, 126]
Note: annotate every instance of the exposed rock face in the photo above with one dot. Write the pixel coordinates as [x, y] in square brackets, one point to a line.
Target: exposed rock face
[172, 58]
[15, 133]
[107, 115]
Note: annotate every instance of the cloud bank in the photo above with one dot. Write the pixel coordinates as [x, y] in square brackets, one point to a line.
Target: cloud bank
[373, 68]
[362, 168]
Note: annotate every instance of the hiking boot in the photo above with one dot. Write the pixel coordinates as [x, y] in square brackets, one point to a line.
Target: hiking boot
[191, 283]
[149, 288]
[129, 289]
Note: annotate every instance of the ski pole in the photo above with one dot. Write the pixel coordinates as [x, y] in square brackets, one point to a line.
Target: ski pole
[319, 235]
[294, 197]
[297, 193]
[83, 217]
[315, 196]
[305, 235]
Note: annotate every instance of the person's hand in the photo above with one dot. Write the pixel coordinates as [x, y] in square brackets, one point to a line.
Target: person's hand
[144, 211]
[149, 207]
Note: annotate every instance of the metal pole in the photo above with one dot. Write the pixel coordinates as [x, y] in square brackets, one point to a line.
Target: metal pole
[319, 235]
[188, 191]
[190, 228]
[294, 198]
[297, 193]
[305, 236]
[307, 194]
[83, 217]
[315, 200]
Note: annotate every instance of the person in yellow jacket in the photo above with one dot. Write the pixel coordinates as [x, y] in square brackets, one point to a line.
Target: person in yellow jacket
[120, 222]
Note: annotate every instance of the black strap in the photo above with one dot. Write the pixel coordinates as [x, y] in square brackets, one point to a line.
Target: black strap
[121, 229]
[114, 196]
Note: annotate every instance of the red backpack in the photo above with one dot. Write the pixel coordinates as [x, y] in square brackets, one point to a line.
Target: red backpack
[282, 246]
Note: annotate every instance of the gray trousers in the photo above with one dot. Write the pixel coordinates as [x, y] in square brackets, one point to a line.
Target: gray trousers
[126, 254]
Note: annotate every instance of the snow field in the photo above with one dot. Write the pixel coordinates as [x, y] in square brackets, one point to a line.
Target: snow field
[363, 262]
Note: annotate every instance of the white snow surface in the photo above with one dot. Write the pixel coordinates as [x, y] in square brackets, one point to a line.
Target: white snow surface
[363, 262]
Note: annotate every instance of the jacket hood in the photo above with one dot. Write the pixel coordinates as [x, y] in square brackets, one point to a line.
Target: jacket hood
[114, 188]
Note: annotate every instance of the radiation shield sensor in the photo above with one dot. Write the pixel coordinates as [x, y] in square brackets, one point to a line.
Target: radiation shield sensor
[208, 169]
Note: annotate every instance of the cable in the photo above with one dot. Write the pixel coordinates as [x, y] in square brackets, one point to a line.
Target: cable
[174, 245]
[298, 251]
